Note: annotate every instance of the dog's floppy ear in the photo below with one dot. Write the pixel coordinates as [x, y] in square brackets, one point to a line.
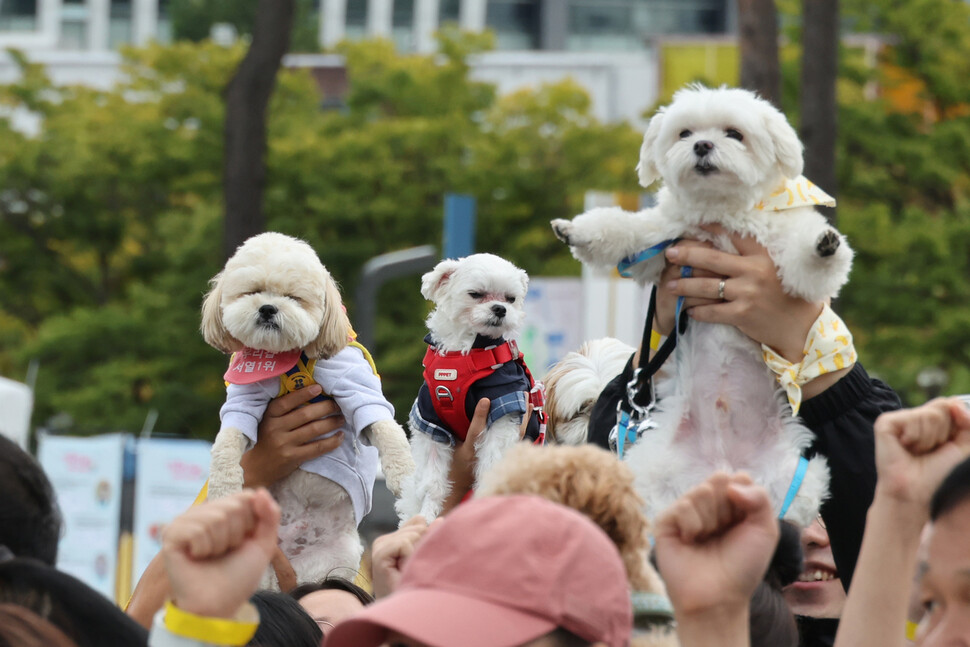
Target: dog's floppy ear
[335, 328]
[213, 330]
[788, 148]
[647, 169]
[434, 280]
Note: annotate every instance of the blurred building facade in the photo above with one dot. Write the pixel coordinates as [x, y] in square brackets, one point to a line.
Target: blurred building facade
[611, 47]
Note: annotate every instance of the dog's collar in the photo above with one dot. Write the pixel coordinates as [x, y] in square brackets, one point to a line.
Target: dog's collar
[481, 341]
[798, 192]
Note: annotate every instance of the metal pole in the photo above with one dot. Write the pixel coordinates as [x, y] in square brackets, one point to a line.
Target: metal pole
[378, 271]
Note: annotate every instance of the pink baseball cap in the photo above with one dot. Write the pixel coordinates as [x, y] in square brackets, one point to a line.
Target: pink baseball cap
[499, 572]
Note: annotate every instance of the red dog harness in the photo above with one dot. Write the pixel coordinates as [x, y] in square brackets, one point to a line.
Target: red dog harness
[449, 375]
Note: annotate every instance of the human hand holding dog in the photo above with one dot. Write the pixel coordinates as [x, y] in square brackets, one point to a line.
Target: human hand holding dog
[462, 471]
[754, 300]
[288, 436]
[713, 547]
[215, 553]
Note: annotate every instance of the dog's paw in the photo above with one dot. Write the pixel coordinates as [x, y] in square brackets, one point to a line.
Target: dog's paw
[563, 229]
[828, 243]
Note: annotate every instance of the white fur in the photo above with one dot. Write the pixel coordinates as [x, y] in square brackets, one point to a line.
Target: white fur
[464, 292]
[318, 530]
[731, 374]
[574, 383]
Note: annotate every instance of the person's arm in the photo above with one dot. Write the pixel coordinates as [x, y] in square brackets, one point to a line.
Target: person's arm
[461, 472]
[713, 546]
[754, 300]
[287, 438]
[839, 407]
[915, 450]
[391, 551]
[214, 556]
[842, 419]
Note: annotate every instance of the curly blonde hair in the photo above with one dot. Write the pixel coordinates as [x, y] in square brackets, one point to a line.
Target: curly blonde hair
[590, 480]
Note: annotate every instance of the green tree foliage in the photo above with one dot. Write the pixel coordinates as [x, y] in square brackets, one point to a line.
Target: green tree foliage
[110, 215]
[903, 177]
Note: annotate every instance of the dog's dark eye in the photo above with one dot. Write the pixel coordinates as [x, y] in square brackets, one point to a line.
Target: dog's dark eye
[476, 295]
[685, 133]
[510, 298]
[734, 134]
[296, 298]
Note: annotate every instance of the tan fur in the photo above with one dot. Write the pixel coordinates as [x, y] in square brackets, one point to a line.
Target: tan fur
[213, 330]
[574, 383]
[333, 336]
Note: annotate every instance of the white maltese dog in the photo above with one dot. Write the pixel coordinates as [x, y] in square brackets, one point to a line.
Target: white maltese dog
[277, 309]
[471, 355]
[728, 157]
[574, 383]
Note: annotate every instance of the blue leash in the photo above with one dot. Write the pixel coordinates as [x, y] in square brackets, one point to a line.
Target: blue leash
[624, 267]
[796, 484]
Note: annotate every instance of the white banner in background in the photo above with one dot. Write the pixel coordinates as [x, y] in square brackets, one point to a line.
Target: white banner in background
[553, 322]
[86, 474]
[169, 474]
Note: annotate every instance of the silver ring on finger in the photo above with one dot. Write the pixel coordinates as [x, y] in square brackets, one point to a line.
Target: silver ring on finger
[720, 289]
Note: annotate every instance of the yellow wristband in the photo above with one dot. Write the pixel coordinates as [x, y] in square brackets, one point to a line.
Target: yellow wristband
[220, 631]
[655, 338]
[911, 628]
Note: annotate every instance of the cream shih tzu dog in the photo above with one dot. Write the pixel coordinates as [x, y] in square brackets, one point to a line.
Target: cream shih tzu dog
[276, 308]
[574, 383]
[725, 156]
[471, 355]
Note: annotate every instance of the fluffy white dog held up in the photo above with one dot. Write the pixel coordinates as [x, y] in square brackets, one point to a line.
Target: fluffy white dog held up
[726, 157]
[471, 355]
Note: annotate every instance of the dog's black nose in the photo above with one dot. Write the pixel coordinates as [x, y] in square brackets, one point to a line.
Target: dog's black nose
[703, 147]
[267, 311]
[498, 310]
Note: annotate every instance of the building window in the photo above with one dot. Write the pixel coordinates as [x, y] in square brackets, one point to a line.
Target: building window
[402, 25]
[516, 23]
[618, 25]
[18, 15]
[602, 26]
[164, 28]
[356, 19]
[449, 11]
[119, 29]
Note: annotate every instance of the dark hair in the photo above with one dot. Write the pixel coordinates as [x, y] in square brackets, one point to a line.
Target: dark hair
[786, 563]
[30, 522]
[771, 621]
[954, 489]
[86, 616]
[331, 584]
[562, 638]
[21, 627]
[283, 622]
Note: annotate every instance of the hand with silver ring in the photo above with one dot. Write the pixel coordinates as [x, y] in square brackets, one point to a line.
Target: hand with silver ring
[759, 306]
